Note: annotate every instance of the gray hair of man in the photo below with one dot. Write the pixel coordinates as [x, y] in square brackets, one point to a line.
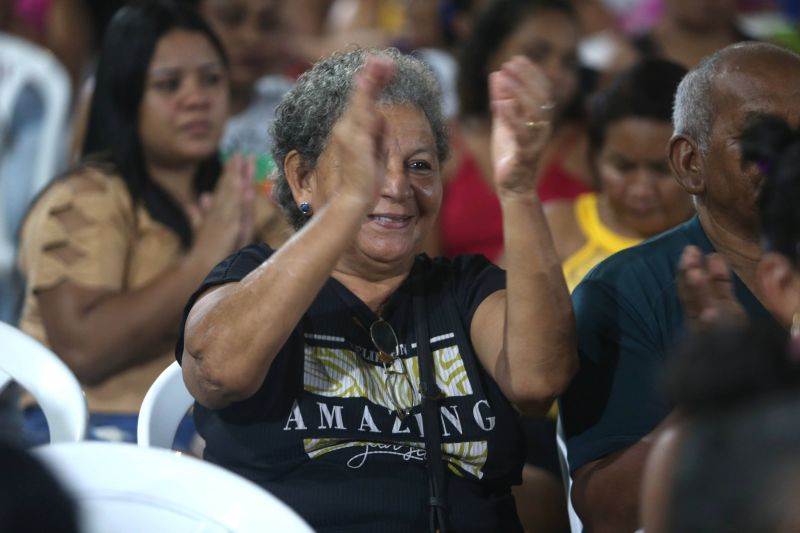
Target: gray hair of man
[693, 110]
[309, 111]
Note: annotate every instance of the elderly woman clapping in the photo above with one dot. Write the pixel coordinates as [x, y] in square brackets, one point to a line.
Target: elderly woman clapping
[325, 370]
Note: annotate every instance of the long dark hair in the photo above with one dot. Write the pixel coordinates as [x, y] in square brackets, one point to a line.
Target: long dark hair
[112, 134]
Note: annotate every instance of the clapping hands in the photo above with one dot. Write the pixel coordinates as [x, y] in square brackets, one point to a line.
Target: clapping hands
[522, 115]
[355, 145]
[223, 221]
[705, 288]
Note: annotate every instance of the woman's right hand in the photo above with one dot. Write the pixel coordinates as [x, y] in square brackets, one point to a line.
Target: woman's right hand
[355, 145]
[222, 221]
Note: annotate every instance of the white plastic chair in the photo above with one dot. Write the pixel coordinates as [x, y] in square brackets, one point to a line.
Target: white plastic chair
[163, 408]
[128, 489]
[25, 66]
[37, 369]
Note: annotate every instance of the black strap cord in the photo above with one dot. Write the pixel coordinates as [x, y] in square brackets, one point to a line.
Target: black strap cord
[430, 414]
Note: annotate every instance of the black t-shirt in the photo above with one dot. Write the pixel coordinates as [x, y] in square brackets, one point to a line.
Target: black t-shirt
[629, 318]
[322, 435]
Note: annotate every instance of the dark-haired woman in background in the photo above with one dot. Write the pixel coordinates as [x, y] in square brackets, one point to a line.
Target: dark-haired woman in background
[112, 250]
[545, 31]
[630, 124]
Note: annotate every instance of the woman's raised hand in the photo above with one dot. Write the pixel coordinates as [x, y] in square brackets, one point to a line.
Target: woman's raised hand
[355, 145]
[223, 220]
[522, 114]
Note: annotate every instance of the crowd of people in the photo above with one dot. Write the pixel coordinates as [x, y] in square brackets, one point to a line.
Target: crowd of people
[392, 243]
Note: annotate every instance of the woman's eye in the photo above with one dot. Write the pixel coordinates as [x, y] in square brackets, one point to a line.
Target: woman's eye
[211, 79]
[167, 84]
[419, 165]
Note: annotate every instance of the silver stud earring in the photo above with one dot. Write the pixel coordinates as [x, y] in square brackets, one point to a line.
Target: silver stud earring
[305, 208]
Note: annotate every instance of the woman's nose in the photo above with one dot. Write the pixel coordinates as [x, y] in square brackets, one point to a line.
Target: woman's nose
[195, 94]
[396, 183]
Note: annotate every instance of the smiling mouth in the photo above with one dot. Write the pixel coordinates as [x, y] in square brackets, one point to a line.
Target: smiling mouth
[391, 221]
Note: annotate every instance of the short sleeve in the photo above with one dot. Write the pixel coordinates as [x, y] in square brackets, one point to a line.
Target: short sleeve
[233, 268]
[79, 230]
[476, 279]
[616, 398]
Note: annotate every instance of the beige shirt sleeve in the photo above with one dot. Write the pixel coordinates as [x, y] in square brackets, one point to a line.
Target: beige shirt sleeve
[79, 231]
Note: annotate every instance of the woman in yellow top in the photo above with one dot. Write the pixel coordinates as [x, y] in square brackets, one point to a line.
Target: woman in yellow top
[112, 251]
[629, 127]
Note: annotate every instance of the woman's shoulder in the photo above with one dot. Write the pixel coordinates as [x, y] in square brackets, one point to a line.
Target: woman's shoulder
[87, 194]
[86, 184]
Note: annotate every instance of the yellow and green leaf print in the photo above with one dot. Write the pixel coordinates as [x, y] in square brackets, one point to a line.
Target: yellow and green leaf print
[340, 373]
[469, 456]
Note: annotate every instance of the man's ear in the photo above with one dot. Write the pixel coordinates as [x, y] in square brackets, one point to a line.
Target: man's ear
[780, 285]
[687, 164]
[298, 176]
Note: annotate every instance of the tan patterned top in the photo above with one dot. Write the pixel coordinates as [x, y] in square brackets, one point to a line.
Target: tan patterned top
[86, 230]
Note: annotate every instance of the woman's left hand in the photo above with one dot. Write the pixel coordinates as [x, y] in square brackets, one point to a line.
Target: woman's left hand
[522, 114]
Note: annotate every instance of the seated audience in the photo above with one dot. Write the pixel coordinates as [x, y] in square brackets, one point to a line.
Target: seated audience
[112, 250]
[628, 311]
[630, 124]
[313, 366]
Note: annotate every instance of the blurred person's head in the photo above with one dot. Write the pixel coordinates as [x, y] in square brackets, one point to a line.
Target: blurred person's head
[714, 104]
[699, 16]
[31, 498]
[545, 31]
[252, 32]
[712, 379]
[739, 470]
[160, 99]
[774, 148]
[630, 125]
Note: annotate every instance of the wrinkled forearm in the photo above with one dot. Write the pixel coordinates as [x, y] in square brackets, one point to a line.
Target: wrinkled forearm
[539, 343]
[235, 332]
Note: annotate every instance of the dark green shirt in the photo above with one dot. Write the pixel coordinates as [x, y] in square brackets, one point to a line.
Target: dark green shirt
[628, 319]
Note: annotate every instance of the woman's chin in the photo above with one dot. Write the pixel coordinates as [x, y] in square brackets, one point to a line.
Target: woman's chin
[388, 253]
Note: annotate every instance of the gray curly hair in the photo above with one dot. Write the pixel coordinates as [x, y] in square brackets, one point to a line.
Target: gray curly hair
[308, 112]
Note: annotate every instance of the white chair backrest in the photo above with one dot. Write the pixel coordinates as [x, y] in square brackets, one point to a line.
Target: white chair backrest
[46, 377]
[163, 408]
[25, 64]
[128, 489]
[575, 524]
